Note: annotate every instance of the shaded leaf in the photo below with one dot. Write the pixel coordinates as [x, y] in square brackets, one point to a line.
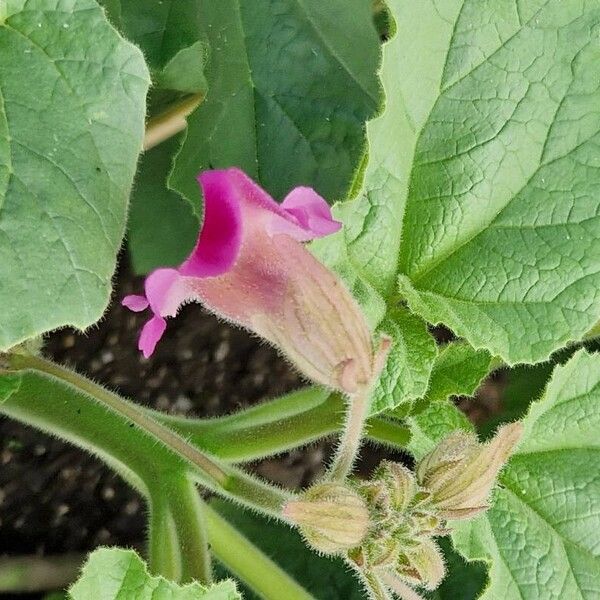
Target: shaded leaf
[288, 95]
[463, 581]
[324, 577]
[162, 229]
[458, 370]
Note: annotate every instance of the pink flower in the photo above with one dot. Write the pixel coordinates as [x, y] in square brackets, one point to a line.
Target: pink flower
[250, 267]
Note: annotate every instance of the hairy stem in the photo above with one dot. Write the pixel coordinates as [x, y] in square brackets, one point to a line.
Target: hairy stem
[127, 409]
[189, 518]
[164, 555]
[278, 425]
[401, 589]
[358, 408]
[66, 404]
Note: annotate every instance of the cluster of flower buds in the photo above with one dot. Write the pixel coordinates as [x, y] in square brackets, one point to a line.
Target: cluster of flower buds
[386, 527]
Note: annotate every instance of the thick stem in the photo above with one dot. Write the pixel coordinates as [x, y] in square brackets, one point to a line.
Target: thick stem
[269, 428]
[171, 122]
[125, 408]
[188, 515]
[164, 556]
[278, 425]
[249, 563]
[66, 404]
[347, 451]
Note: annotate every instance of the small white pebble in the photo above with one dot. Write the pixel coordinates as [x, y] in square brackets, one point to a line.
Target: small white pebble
[108, 493]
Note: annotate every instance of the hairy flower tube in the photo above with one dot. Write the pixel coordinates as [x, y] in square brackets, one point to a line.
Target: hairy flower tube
[250, 267]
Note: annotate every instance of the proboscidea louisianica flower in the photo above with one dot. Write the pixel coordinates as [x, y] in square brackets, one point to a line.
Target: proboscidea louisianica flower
[250, 267]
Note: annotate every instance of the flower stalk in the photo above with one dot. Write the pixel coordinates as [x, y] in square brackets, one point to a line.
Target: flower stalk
[358, 405]
[171, 122]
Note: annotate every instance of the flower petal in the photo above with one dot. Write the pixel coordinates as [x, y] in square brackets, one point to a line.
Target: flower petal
[311, 212]
[135, 303]
[304, 215]
[220, 238]
[151, 333]
[166, 290]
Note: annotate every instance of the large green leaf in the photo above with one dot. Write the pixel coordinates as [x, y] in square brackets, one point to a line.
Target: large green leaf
[71, 123]
[290, 86]
[542, 535]
[501, 226]
[411, 72]
[481, 187]
[118, 574]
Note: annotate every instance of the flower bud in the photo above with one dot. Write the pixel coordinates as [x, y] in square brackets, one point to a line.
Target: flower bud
[423, 565]
[438, 464]
[331, 517]
[399, 482]
[461, 472]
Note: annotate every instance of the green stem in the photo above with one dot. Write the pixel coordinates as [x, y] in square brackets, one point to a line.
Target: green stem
[79, 414]
[388, 432]
[21, 574]
[170, 122]
[164, 555]
[278, 425]
[269, 428]
[358, 408]
[249, 563]
[127, 409]
[188, 514]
